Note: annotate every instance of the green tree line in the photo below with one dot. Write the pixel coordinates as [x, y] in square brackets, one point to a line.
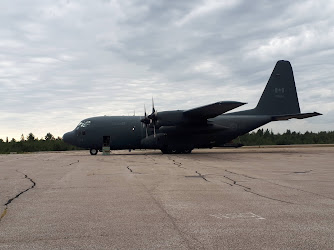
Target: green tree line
[266, 137]
[33, 144]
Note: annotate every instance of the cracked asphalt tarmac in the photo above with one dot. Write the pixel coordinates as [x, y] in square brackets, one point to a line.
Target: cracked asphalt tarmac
[246, 198]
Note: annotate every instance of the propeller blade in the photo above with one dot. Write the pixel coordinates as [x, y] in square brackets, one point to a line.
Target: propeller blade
[153, 115]
[145, 121]
[154, 130]
[153, 109]
[150, 120]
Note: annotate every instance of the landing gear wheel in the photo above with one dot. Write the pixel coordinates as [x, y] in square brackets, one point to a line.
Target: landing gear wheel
[176, 151]
[93, 151]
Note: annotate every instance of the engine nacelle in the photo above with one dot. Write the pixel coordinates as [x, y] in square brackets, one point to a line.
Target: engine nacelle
[170, 118]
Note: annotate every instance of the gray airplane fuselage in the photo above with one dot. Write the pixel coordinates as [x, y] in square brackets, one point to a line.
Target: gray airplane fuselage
[207, 126]
[127, 132]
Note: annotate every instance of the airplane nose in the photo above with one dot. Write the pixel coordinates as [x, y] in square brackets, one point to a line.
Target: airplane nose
[68, 138]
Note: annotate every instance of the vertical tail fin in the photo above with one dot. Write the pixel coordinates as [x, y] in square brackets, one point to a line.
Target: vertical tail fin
[280, 95]
[279, 98]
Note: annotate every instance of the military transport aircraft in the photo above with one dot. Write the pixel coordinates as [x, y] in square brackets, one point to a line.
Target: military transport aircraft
[180, 131]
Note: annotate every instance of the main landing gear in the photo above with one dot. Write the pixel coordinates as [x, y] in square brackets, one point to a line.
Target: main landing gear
[176, 151]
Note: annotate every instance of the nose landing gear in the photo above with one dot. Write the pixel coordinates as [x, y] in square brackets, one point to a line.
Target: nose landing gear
[93, 151]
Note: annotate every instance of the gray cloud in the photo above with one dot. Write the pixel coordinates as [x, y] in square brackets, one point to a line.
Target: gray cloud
[63, 61]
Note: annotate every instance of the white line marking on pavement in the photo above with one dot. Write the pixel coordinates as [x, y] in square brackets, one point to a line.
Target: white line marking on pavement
[248, 215]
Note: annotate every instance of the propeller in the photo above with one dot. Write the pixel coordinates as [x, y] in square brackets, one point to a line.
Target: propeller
[153, 117]
[145, 121]
[150, 119]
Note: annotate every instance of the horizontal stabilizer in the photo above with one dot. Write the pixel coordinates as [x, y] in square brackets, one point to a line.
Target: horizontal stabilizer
[296, 116]
[212, 110]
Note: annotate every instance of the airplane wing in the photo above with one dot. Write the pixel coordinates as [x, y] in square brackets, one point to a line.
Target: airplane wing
[296, 116]
[212, 110]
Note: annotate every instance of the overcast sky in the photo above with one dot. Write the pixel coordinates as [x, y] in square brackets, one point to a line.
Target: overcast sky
[63, 61]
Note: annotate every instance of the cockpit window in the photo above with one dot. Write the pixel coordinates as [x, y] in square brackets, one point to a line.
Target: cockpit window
[83, 124]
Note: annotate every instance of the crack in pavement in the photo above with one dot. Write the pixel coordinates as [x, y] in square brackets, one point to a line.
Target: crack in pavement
[247, 176]
[302, 172]
[130, 169]
[18, 195]
[296, 172]
[309, 192]
[71, 163]
[245, 188]
[248, 189]
[151, 158]
[178, 164]
[235, 183]
[202, 176]
[270, 198]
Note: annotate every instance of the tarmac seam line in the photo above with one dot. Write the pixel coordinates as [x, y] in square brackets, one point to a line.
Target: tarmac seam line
[172, 220]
